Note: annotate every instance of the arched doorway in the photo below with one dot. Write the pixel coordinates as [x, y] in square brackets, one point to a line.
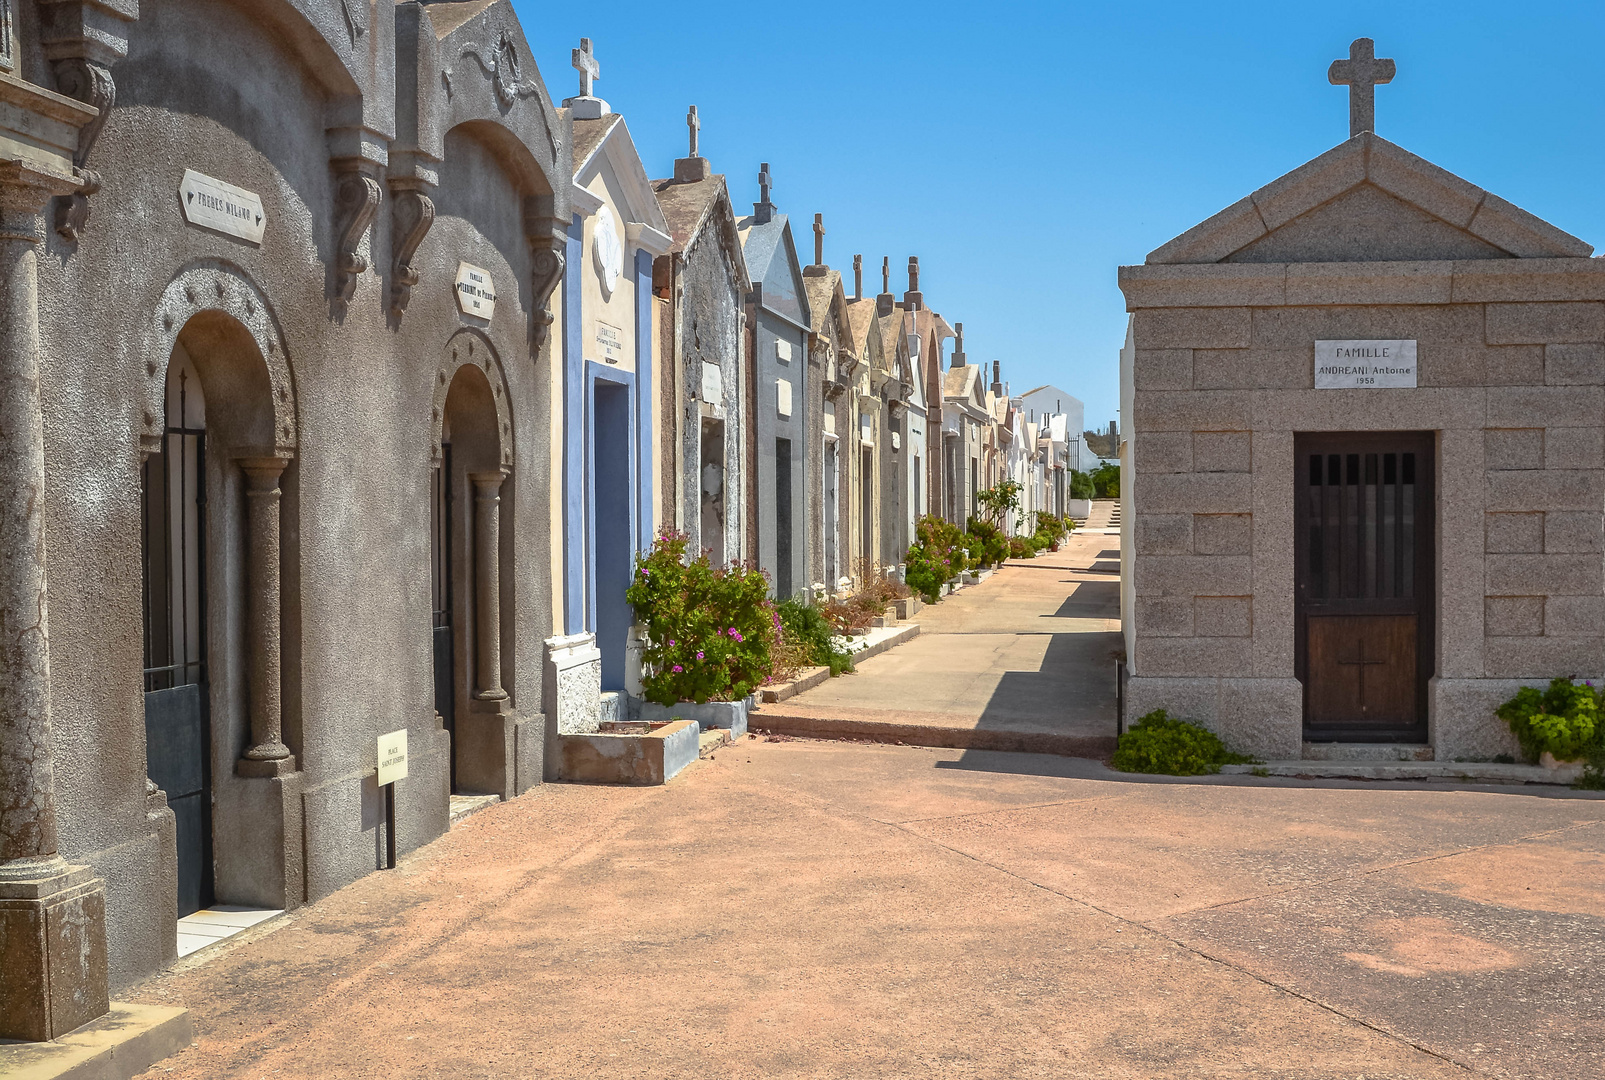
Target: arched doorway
[213, 483]
[472, 459]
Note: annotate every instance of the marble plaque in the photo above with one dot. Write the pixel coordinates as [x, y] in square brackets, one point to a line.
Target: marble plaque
[783, 350]
[392, 757]
[783, 397]
[224, 208]
[1365, 365]
[610, 342]
[712, 383]
[476, 292]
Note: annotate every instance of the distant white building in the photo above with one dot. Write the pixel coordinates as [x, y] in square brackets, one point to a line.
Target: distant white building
[1046, 402]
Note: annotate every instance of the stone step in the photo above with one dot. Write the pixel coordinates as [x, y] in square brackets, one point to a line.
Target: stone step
[712, 740]
[1335, 751]
[1479, 771]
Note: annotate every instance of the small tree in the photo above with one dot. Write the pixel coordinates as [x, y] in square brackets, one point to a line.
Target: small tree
[998, 501]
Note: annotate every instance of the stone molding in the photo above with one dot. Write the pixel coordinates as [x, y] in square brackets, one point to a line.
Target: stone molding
[356, 202]
[412, 213]
[214, 285]
[1369, 158]
[470, 346]
[1466, 281]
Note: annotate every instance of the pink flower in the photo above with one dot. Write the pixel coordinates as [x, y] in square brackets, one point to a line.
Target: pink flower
[699, 656]
[677, 669]
[671, 641]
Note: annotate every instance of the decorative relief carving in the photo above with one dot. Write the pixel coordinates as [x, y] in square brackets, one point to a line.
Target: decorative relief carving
[356, 202]
[91, 84]
[501, 65]
[470, 346]
[412, 214]
[548, 263]
[356, 17]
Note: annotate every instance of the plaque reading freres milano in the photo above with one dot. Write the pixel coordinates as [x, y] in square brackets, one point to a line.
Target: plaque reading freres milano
[212, 204]
[1365, 365]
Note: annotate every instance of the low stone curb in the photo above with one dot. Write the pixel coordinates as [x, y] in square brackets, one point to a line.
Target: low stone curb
[812, 677]
[1021, 742]
[1491, 772]
[124, 1043]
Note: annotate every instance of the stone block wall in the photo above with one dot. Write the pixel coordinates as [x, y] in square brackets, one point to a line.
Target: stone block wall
[1512, 381]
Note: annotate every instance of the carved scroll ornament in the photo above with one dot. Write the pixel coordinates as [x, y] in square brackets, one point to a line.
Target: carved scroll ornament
[413, 213]
[356, 203]
[547, 272]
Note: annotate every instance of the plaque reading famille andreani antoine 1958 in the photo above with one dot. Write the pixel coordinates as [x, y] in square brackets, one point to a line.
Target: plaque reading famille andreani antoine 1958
[1365, 365]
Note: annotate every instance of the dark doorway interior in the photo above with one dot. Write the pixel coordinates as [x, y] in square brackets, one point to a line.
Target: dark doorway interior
[866, 512]
[440, 490]
[783, 518]
[1365, 584]
[610, 522]
[178, 738]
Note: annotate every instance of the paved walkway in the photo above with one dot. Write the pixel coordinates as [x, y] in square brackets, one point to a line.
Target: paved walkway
[1023, 661]
[831, 910]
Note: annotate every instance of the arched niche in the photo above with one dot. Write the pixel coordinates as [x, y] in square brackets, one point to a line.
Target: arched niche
[207, 299]
[470, 348]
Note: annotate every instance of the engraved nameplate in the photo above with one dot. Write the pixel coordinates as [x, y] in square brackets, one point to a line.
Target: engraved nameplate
[476, 292]
[1366, 365]
[224, 208]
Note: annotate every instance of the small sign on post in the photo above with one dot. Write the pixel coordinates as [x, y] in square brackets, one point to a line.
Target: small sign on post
[392, 760]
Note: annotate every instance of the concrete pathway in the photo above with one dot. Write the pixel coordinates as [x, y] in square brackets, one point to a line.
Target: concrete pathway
[1023, 661]
[830, 910]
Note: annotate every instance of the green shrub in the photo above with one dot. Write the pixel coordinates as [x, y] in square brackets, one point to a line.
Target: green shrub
[1159, 743]
[710, 631]
[1106, 480]
[1023, 547]
[1081, 486]
[1564, 720]
[936, 557]
[986, 543]
[804, 625]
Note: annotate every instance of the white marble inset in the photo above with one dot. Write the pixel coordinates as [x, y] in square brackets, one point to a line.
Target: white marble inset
[211, 925]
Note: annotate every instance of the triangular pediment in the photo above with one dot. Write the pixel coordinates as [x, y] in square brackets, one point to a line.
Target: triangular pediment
[1369, 201]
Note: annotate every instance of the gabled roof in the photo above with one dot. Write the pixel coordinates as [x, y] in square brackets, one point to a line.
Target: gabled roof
[1368, 200]
[774, 268]
[689, 206]
[825, 296]
[860, 317]
[608, 138]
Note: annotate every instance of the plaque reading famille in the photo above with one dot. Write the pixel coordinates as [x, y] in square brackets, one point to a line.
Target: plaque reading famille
[476, 292]
[1365, 365]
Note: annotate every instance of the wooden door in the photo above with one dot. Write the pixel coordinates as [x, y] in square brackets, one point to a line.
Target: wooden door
[1365, 584]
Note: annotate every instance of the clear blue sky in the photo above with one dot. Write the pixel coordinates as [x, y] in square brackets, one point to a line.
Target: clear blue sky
[1024, 151]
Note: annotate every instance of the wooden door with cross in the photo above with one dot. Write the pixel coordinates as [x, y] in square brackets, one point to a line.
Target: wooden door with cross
[1365, 583]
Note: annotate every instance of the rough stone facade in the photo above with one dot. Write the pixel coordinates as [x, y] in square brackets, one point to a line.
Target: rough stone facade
[1365, 242]
[387, 143]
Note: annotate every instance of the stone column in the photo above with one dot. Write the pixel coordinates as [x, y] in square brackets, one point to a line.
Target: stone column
[488, 583]
[262, 613]
[52, 915]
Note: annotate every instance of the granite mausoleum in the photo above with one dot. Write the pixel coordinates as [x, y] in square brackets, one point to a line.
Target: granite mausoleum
[1366, 463]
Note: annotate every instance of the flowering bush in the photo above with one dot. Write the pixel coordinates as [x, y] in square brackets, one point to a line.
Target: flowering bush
[935, 557]
[986, 542]
[710, 631]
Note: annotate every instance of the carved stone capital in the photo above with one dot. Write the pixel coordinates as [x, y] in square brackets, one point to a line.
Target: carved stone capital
[548, 264]
[412, 212]
[356, 201]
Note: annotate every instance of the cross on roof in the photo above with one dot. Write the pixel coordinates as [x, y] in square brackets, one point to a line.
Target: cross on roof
[886, 273]
[819, 239]
[584, 62]
[695, 125]
[1362, 73]
[765, 182]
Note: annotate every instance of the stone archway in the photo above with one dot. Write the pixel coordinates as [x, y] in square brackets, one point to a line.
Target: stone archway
[219, 719]
[472, 453]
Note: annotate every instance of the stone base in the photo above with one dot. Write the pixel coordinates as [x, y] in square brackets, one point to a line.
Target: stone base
[629, 758]
[731, 716]
[123, 1043]
[1262, 717]
[1461, 721]
[571, 693]
[52, 950]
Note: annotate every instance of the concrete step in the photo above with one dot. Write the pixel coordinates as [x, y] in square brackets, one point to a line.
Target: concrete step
[1480, 771]
[711, 740]
[1336, 751]
[464, 805]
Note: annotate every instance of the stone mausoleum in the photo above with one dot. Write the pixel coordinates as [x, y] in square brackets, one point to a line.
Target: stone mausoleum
[1364, 473]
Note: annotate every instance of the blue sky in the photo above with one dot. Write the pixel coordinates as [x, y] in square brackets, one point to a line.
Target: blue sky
[1024, 151]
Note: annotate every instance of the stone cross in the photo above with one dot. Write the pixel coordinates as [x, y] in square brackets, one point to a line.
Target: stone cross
[958, 329]
[858, 277]
[886, 273]
[1362, 73]
[913, 273]
[695, 125]
[764, 183]
[584, 62]
[819, 239]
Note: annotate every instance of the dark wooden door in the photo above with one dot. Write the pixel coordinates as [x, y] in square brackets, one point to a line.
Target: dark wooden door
[440, 563]
[1365, 583]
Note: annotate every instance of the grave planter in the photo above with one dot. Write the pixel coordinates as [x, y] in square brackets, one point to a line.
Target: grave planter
[729, 715]
[1080, 509]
